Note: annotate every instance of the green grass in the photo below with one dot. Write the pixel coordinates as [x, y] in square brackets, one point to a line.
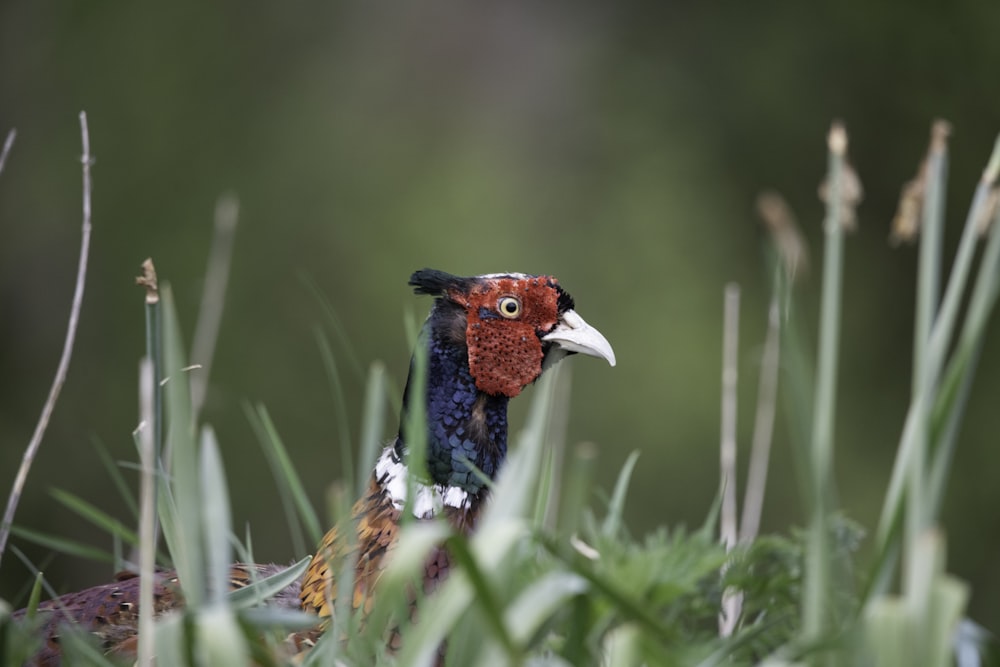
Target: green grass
[553, 576]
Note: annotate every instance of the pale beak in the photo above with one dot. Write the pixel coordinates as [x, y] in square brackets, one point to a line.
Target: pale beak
[573, 334]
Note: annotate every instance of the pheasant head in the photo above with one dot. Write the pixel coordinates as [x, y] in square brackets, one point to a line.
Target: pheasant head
[487, 338]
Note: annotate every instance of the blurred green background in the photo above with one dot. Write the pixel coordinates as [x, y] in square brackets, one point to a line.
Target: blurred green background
[618, 148]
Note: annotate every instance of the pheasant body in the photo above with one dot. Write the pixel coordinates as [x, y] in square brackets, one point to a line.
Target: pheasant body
[110, 612]
[486, 338]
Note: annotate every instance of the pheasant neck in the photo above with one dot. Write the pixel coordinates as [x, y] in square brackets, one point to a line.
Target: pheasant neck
[466, 428]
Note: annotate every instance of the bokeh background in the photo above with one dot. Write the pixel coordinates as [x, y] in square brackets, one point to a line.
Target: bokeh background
[617, 148]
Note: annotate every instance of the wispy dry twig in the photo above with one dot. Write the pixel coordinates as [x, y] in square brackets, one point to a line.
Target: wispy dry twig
[7, 144]
[67, 353]
[793, 259]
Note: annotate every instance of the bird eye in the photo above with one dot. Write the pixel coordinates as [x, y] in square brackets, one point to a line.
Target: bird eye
[509, 307]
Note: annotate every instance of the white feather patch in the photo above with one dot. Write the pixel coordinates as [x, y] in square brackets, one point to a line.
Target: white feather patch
[392, 475]
[496, 276]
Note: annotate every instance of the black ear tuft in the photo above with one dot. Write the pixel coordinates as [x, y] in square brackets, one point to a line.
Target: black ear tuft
[437, 283]
[565, 300]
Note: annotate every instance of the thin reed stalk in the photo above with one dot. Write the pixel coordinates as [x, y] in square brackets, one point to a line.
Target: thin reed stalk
[818, 571]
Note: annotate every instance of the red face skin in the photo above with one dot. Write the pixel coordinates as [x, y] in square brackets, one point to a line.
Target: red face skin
[505, 352]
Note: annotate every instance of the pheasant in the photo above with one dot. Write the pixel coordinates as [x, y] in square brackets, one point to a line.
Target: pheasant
[487, 337]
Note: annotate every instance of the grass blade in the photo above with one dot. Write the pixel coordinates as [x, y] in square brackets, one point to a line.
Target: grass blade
[215, 518]
[616, 506]
[113, 471]
[372, 421]
[181, 453]
[267, 587]
[484, 595]
[536, 604]
[63, 545]
[288, 480]
[35, 596]
[98, 517]
[340, 417]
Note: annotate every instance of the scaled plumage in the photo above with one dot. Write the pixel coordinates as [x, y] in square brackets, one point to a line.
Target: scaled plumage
[110, 612]
[487, 337]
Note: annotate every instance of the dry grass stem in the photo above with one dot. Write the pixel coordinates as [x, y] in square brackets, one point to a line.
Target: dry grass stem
[731, 601]
[730, 375]
[767, 405]
[214, 295]
[7, 145]
[60, 377]
[147, 510]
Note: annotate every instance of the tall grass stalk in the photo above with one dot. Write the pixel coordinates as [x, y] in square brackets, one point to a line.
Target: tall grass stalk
[341, 419]
[921, 623]
[760, 452]
[372, 421]
[299, 512]
[333, 321]
[729, 517]
[730, 374]
[150, 433]
[147, 513]
[944, 326]
[182, 489]
[949, 377]
[928, 290]
[154, 353]
[213, 296]
[550, 493]
[816, 596]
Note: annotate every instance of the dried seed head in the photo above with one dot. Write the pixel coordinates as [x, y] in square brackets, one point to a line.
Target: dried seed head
[940, 131]
[781, 224]
[851, 194]
[148, 280]
[837, 139]
[906, 223]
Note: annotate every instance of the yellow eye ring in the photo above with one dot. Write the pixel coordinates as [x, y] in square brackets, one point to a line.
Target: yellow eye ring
[509, 307]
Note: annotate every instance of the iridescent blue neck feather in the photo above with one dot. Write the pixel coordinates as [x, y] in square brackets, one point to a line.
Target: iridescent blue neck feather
[464, 425]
